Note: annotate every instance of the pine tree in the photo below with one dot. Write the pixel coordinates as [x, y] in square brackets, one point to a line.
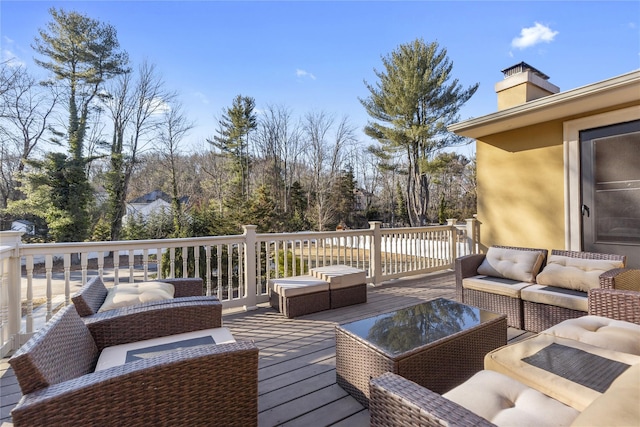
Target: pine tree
[411, 107]
[233, 138]
[82, 53]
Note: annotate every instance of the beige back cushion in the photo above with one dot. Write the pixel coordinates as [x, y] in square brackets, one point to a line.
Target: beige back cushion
[515, 264]
[137, 293]
[575, 273]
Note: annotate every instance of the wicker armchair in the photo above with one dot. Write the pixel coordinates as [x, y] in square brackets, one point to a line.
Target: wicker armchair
[538, 317]
[195, 386]
[618, 297]
[189, 309]
[397, 402]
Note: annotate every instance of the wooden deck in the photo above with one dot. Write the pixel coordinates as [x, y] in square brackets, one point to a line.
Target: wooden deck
[297, 381]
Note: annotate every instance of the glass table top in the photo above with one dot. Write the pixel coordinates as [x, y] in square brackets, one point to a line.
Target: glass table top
[403, 330]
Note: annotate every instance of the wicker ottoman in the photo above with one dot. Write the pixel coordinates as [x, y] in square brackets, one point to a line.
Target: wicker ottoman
[347, 285]
[299, 295]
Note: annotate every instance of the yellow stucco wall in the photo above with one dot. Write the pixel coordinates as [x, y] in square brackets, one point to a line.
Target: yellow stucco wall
[521, 187]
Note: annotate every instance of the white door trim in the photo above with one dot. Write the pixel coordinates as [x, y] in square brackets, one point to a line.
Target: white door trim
[572, 187]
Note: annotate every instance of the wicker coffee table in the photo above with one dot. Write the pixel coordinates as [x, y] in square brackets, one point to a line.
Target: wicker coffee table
[437, 344]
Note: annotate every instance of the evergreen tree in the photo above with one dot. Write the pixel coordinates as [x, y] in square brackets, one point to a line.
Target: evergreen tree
[53, 192]
[344, 198]
[82, 53]
[411, 107]
[233, 138]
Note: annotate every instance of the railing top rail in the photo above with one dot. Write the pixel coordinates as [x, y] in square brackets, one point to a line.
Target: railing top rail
[72, 247]
[6, 251]
[415, 229]
[306, 235]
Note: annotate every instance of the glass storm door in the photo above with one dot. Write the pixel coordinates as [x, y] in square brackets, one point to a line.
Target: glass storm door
[610, 176]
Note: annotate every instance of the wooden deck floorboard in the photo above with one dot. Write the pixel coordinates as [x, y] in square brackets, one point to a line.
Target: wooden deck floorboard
[297, 385]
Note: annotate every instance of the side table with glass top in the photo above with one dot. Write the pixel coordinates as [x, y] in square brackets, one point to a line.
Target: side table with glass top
[437, 344]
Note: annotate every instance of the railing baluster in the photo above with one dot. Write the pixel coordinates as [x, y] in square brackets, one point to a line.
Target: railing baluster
[145, 264]
[185, 261]
[67, 278]
[84, 263]
[29, 313]
[207, 253]
[131, 266]
[196, 261]
[159, 274]
[101, 265]
[116, 267]
[48, 266]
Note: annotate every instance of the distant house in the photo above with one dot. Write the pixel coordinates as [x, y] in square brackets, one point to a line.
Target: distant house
[559, 170]
[27, 227]
[155, 202]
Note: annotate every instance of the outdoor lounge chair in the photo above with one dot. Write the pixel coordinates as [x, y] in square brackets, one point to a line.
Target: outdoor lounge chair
[188, 307]
[211, 384]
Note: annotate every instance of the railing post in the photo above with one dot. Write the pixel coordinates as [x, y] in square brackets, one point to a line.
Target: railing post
[376, 252]
[472, 224]
[12, 279]
[453, 239]
[251, 288]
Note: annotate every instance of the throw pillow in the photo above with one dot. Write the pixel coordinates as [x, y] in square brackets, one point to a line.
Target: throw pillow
[128, 294]
[514, 264]
[575, 273]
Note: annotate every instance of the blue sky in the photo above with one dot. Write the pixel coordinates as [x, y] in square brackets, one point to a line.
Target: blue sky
[315, 55]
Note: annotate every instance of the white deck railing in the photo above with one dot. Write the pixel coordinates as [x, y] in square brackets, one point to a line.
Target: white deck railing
[36, 278]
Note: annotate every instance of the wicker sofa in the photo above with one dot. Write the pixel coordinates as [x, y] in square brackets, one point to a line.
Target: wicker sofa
[516, 390]
[190, 386]
[494, 281]
[534, 293]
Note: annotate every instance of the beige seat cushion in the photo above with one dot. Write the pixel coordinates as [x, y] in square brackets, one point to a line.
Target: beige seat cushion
[298, 285]
[507, 402]
[558, 297]
[600, 332]
[521, 265]
[495, 285]
[575, 273]
[618, 407]
[128, 294]
[508, 360]
[123, 353]
[340, 276]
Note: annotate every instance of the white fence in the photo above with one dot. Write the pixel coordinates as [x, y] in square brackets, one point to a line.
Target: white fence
[35, 278]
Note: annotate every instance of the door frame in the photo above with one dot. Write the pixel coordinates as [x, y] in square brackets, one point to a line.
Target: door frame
[572, 181]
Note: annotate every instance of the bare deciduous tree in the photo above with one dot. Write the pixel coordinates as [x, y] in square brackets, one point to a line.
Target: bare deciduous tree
[27, 110]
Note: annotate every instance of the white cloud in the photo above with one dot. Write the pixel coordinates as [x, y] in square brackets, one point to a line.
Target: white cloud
[202, 97]
[7, 55]
[531, 36]
[303, 73]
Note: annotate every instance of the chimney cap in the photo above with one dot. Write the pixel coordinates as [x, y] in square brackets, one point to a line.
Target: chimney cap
[522, 67]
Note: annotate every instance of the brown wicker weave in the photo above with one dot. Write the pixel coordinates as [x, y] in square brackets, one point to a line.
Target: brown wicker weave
[398, 402]
[300, 305]
[615, 304]
[198, 386]
[439, 366]
[538, 317]
[351, 295]
[467, 266]
[624, 279]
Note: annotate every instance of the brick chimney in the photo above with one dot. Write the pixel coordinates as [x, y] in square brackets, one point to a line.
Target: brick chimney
[522, 83]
